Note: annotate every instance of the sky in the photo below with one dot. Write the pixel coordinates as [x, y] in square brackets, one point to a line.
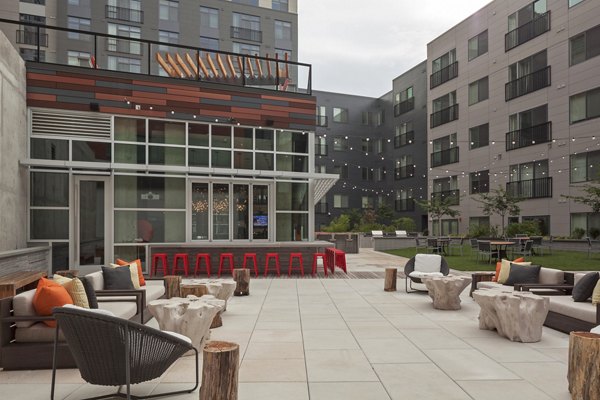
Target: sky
[358, 47]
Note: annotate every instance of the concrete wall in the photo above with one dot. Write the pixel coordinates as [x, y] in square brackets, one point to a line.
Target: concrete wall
[13, 147]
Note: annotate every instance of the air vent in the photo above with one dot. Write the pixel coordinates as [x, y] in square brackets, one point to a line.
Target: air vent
[70, 124]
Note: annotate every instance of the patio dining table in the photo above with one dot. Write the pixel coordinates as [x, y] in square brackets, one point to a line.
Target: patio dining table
[501, 248]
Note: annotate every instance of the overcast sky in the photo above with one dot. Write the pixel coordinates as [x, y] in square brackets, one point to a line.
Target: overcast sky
[358, 46]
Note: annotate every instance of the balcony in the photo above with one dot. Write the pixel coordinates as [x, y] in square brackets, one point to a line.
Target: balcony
[321, 120]
[246, 34]
[527, 31]
[124, 14]
[404, 205]
[443, 75]
[31, 37]
[527, 84]
[525, 137]
[321, 149]
[404, 139]
[443, 157]
[454, 195]
[444, 116]
[404, 106]
[531, 188]
[407, 171]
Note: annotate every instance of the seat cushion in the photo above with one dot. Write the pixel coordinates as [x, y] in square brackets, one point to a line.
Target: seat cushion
[154, 290]
[565, 305]
[551, 276]
[584, 288]
[122, 309]
[23, 306]
[38, 332]
[522, 274]
[421, 275]
[428, 262]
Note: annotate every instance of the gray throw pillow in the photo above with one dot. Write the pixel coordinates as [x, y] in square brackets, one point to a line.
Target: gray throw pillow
[89, 292]
[523, 274]
[117, 278]
[585, 287]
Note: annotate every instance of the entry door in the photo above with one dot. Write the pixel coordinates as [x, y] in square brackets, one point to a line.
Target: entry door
[90, 221]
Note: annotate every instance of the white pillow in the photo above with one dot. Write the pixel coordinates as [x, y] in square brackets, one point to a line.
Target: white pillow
[428, 262]
[596, 330]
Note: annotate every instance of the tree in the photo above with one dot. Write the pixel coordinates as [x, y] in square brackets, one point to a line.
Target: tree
[592, 197]
[384, 214]
[439, 207]
[499, 202]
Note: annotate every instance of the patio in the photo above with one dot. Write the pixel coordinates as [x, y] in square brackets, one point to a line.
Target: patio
[348, 339]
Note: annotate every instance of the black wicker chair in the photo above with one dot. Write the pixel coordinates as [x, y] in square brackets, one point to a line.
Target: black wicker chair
[410, 267]
[112, 351]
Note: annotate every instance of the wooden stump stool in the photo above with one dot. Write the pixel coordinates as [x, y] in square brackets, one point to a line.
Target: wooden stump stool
[584, 369]
[391, 274]
[220, 371]
[172, 286]
[242, 280]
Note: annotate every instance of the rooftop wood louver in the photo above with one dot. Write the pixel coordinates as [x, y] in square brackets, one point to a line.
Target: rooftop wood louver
[221, 67]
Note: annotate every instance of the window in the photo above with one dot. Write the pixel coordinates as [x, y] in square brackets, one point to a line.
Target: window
[209, 17]
[446, 187]
[123, 45]
[445, 109]
[585, 45]
[244, 48]
[404, 134]
[585, 221]
[209, 43]
[281, 5]
[167, 37]
[479, 136]
[321, 116]
[479, 221]
[340, 143]
[340, 201]
[31, 54]
[404, 200]
[574, 2]
[283, 54]
[585, 166]
[527, 23]
[82, 24]
[479, 182]
[247, 2]
[444, 102]
[443, 61]
[246, 22]
[168, 10]
[125, 64]
[403, 95]
[585, 106]
[340, 115]
[527, 65]
[379, 117]
[526, 14]
[380, 174]
[366, 145]
[528, 75]
[445, 151]
[478, 45]
[404, 167]
[478, 91]
[78, 58]
[528, 118]
[283, 30]
[341, 170]
[367, 174]
[366, 202]
[443, 69]
[529, 171]
[366, 117]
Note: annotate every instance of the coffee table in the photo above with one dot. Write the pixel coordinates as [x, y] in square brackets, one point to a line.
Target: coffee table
[445, 290]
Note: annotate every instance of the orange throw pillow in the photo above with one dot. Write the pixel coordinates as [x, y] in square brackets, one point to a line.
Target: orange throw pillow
[137, 262]
[499, 264]
[49, 295]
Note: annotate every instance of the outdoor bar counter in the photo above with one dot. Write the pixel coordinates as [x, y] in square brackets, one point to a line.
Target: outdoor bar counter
[238, 249]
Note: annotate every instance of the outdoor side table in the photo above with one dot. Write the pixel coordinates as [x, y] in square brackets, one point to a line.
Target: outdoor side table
[445, 290]
[477, 277]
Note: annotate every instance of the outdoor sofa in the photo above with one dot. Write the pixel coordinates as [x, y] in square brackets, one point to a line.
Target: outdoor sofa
[26, 342]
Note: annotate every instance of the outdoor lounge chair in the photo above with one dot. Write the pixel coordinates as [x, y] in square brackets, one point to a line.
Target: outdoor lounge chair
[113, 351]
[422, 266]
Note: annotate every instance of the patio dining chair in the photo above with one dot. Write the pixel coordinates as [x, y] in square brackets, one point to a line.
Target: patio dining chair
[433, 246]
[485, 251]
[456, 243]
[526, 250]
[113, 351]
[537, 247]
[421, 266]
[420, 243]
[474, 246]
[591, 248]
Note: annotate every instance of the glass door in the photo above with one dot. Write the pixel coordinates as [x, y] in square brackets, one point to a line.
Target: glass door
[90, 222]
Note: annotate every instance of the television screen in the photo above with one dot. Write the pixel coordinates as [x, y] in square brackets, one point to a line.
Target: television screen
[261, 220]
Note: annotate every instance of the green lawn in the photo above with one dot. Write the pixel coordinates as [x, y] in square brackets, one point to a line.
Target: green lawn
[563, 260]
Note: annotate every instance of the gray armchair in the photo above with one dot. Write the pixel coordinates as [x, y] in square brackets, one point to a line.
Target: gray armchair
[113, 351]
[410, 267]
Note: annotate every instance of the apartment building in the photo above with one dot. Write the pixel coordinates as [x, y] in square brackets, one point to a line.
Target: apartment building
[513, 94]
[268, 28]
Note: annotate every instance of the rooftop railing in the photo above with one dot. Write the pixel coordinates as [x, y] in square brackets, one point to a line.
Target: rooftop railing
[141, 56]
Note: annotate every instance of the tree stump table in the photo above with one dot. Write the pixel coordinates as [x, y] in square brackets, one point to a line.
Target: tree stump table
[191, 316]
[517, 316]
[391, 275]
[445, 290]
[172, 286]
[220, 366]
[241, 276]
[584, 368]
[222, 289]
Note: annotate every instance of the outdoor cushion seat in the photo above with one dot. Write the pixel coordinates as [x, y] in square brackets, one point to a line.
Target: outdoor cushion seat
[565, 305]
[421, 275]
[36, 333]
[154, 289]
[423, 266]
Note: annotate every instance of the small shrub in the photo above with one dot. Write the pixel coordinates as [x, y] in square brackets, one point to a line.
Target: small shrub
[404, 224]
[578, 233]
[594, 233]
[339, 224]
[530, 228]
[477, 231]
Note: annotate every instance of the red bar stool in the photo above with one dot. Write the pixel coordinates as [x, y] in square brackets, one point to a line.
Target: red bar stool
[199, 258]
[316, 257]
[274, 256]
[296, 256]
[226, 257]
[186, 263]
[162, 257]
[251, 257]
[340, 260]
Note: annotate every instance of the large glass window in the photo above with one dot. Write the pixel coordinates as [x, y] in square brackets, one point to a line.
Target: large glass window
[340, 201]
[260, 212]
[78, 58]
[245, 21]
[282, 5]
[200, 211]
[443, 61]
[49, 149]
[123, 45]
[168, 10]
[209, 17]
[478, 45]
[478, 91]
[340, 143]
[585, 166]
[584, 106]
[49, 206]
[81, 24]
[340, 114]
[245, 48]
[479, 182]
[479, 136]
[283, 30]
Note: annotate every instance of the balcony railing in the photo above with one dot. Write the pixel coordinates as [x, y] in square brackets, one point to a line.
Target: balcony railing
[404, 106]
[443, 157]
[533, 135]
[404, 205]
[321, 149]
[246, 34]
[443, 75]
[125, 14]
[322, 120]
[407, 171]
[444, 116]
[531, 188]
[526, 84]
[167, 59]
[452, 194]
[527, 31]
[404, 139]
[32, 37]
